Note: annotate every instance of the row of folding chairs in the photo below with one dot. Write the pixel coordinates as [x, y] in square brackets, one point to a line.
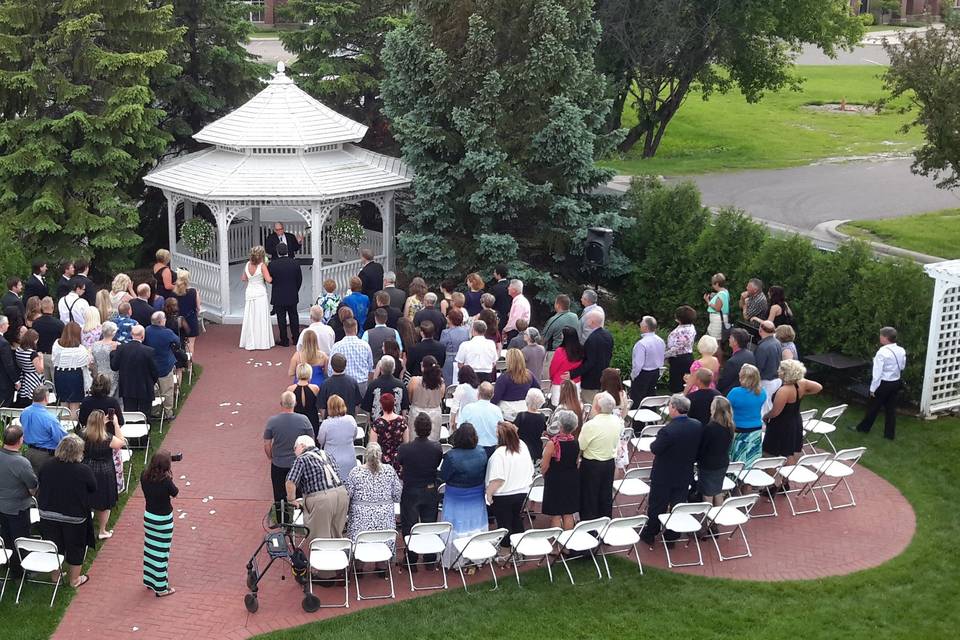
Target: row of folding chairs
[35, 556]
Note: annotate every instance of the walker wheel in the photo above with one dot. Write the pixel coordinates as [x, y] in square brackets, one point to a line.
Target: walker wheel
[251, 579]
[310, 603]
[251, 603]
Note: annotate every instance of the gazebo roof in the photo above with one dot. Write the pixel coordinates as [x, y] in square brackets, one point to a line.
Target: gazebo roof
[282, 115]
[220, 175]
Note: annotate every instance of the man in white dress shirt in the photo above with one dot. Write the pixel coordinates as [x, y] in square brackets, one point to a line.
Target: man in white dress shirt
[589, 301]
[325, 335]
[73, 306]
[519, 310]
[478, 352]
[888, 366]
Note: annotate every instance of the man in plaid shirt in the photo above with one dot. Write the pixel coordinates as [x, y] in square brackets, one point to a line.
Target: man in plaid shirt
[325, 501]
[358, 354]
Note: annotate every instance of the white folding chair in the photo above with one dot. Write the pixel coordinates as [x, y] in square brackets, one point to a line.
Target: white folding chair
[359, 451]
[190, 366]
[839, 468]
[734, 512]
[374, 546]
[649, 410]
[533, 545]
[757, 476]
[126, 455]
[546, 387]
[135, 427]
[643, 442]
[445, 447]
[802, 477]
[633, 485]
[685, 518]
[34, 512]
[729, 479]
[478, 550]
[580, 540]
[534, 494]
[39, 556]
[158, 403]
[428, 538]
[622, 533]
[5, 555]
[331, 554]
[547, 412]
[815, 429]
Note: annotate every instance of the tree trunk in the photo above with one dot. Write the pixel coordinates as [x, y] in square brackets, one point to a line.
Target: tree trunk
[633, 136]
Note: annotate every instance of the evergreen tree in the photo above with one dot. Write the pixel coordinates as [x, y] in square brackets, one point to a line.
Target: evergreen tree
[500, 113]
[77, 119]
[338, 55]
[217, 73]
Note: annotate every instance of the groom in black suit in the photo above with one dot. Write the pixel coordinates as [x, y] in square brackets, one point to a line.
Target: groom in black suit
[281, 238]
[285, 295]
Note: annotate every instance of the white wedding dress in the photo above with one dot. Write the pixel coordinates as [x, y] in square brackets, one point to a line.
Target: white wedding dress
[256, 332]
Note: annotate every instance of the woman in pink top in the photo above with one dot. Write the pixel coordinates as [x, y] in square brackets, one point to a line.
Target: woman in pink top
[567, 357]
[707, 346]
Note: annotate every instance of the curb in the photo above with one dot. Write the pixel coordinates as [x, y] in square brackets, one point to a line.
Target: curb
[832, 228]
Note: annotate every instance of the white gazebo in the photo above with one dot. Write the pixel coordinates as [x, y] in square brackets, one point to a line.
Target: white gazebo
[941, 374]
[283, 156]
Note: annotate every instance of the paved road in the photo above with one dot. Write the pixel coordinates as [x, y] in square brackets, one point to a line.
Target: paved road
[270, 50]
[806, 196]
[867, 54]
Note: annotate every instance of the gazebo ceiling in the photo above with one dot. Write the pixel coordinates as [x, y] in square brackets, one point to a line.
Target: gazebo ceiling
[282, 115]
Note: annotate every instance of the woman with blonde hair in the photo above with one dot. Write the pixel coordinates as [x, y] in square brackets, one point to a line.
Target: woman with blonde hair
[784, 436]
[510, 390]
[374, 488]
[120, 291]
[99, 443]
[426, 393]
[306, 394]
[90, 332]
[188, 301]
[568, 399]
[414, 303]
[33, 311]
[713, 456]
[747, 402]
[162, 274]
[337, 433]
[256, 333]
[786, 335]
[311, 356]
[707, 347]
[718, 306]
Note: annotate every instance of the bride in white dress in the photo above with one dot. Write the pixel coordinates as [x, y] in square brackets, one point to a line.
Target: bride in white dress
[256, 332]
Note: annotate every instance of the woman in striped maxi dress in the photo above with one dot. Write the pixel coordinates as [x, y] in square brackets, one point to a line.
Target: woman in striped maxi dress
[158, 488]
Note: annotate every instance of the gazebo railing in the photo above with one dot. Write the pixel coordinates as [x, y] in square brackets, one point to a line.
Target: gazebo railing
[205, 277]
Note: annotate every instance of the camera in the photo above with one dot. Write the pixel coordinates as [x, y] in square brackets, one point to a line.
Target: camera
[176, 457]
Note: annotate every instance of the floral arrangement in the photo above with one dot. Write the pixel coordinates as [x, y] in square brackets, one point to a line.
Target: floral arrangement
[197, 234]
[347, 231]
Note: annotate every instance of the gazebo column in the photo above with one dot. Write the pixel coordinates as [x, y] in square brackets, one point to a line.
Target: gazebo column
[223, 226]
[171, 221]
[187, 209]
[389, 215]
[317, 218]
[255, 221]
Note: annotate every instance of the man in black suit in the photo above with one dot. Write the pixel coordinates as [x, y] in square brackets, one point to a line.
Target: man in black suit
[285, 294]
[278, 237]
[398, 297]
[381, 300]
[82, 274]
[12, 297]
[430, 313]
[730, 373]
[9, 371]
[675, 450]
[597, 353]
[137, 373]
[140, 308]
[371, 273]
[65, 284]
[428, 346]
[501, 294]
[48, 328]
[35, 284]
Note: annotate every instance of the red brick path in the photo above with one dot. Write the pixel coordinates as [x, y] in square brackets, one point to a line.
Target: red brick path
[227, 462]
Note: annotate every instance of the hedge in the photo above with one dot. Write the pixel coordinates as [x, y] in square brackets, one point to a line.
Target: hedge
[840, 299]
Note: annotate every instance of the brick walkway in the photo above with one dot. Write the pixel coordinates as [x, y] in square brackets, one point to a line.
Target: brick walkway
[212, 542]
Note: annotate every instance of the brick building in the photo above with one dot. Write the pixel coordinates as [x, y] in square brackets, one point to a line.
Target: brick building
[910, 10]
[263, 11]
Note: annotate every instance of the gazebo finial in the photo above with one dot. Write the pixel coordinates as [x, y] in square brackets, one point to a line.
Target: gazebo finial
[281, 68]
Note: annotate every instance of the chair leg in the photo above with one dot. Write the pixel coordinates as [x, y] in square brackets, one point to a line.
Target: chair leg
[493, 572]
[773, 504]
[56, 586]
[606, 565]
[409, 572]
[549, 569]
[20, 588]
[3, 588]
[390, 575]
[346, 587]
[463, 578]
[566, 566]
[596, 565]
[639, 564]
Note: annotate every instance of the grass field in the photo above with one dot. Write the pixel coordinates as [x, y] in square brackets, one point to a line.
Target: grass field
[911, 596]
[727, 133]
[936, 233]
[33, 618]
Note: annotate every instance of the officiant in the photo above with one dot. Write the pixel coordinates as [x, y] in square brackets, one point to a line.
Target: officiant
[281, 237]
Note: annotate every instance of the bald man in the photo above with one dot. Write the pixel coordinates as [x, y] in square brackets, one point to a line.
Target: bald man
[136, 372]
[140, 308]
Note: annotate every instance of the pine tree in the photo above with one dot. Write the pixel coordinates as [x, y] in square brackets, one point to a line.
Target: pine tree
[338, 55]
[500, 113]
[77, 119]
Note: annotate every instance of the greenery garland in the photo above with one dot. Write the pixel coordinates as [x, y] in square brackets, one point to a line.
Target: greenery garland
[197, 234]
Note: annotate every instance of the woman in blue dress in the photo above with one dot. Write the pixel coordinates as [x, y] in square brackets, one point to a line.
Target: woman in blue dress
[309, 354]
[188, 301]
[747, 402]
[464, 470]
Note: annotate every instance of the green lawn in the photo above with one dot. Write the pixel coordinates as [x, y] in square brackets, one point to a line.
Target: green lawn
[911, 596]
[936, 233]
[727, 133]
[33, 619]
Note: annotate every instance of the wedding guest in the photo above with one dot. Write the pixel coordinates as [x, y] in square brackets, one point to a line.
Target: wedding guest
[158, 488]
[466, 392]
[510, 390]
[786, 335]
[19, 482]
[71, 365]
[279, 436]
[464, 470]
[316, 476]
[473, 295]
[30, 362]
[646, 361]
[561, 474]
[163, 274]
[567, 357]
[707, 346]
[337, 433]
[597, 353]
[713, 456]
[90, 331]
[611, 383]
[598, 441]
[718, 307]
[531, 424]
[419, 460]
[389, 430]
[747, 401]
[306, 394]
[508, 479]
[374, 488]
[533, 352]
[121, 290]
[414, 303]
[679, 351]
[451, 338]
[188, 302]
[100, 400]
[426, 393]
[99, 445]
[339, 384]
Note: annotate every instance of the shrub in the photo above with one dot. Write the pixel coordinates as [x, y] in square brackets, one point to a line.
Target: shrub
[668, 221]
[786, 261]
[625, 335]
[867, 19]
